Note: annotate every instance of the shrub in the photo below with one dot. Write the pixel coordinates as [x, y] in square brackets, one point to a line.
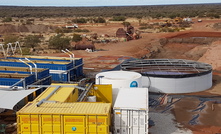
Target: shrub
[76, 37]
[10, 39]
[99, 20]
[59, 42]
[118, 18]
[80, 20]
[7, 19]
[31, 41]
[81, 30]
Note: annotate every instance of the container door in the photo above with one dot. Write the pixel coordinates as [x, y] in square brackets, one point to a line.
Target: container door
[98, 125]
[121, 121]
[138, 122]
[51, 124]
[74, 125]
[130, 122]
[28, 124]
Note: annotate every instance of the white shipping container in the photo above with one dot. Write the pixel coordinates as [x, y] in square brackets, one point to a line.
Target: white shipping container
[131, 111]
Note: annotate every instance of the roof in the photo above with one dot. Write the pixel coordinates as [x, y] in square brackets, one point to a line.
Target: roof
[77, 108]
[60, 95]
[132, 98]
[8, 99]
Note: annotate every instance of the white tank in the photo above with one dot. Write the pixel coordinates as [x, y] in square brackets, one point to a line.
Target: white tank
[91, 99]
[119, 79]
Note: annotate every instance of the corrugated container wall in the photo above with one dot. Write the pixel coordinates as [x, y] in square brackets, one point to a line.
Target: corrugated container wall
[131, 111]
[64, 118]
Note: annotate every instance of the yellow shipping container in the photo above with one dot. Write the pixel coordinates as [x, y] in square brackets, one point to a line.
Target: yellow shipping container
[65, 93]
[64, 118]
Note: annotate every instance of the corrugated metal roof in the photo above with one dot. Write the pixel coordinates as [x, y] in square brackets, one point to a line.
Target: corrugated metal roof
[60, 95]
[78, 108]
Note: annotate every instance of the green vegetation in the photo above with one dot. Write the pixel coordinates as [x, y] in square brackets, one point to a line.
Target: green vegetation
[157, 11]
[126, 24]
[118, 18]
[76, 37]
[79, 20]
[81, 30]
[99, 20]
[7, 19]
[10, 39]
[31, 41]
[59, 42]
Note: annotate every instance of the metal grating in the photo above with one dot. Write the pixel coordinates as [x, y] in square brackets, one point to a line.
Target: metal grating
[167, 67]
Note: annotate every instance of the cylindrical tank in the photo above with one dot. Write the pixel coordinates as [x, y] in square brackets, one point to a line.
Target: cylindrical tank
[91, 99]
[119, 79]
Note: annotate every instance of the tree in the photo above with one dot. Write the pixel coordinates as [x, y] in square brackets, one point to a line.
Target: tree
[59, 42]
[10, 39]
[76, 37]
[126, 24]
[31, 41]
[99, 20]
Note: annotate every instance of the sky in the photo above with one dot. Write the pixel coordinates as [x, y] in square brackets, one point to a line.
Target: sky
[72, 3]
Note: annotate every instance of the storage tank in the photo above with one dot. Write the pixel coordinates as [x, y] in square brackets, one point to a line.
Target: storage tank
[172, 75]
[119, 79]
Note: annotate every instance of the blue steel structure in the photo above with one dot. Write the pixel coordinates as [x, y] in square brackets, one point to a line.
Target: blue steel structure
[62, 69]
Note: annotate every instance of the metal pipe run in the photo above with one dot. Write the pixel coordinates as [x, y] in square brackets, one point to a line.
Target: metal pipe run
[36, 71]
[67, 54]
[84, 93]
[21, 80]
[73, 57]
[45, 99]
[27, 65]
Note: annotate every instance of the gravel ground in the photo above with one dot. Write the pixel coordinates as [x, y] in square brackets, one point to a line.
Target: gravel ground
[164, 124]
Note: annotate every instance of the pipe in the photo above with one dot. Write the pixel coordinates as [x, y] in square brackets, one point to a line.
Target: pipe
[17, 43]
[45, 99]
[36, 71]
[67, 54]
[73, 57]
[27, 65]
[3, 50]
[84, 93]
[21, 80]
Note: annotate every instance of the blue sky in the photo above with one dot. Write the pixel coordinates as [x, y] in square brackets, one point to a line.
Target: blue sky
[99, 2]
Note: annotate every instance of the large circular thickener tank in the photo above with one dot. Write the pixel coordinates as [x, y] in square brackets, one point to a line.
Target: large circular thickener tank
[119, 79]
[172, 75]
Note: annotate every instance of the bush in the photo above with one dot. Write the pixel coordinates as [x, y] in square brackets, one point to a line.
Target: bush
[10, 39]
[81, 30]
[118, 18]
[99, 20]
[31, 41]
[80, 20]
[126, 24]
[7, 19]
[76, 37]
[59, 42]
